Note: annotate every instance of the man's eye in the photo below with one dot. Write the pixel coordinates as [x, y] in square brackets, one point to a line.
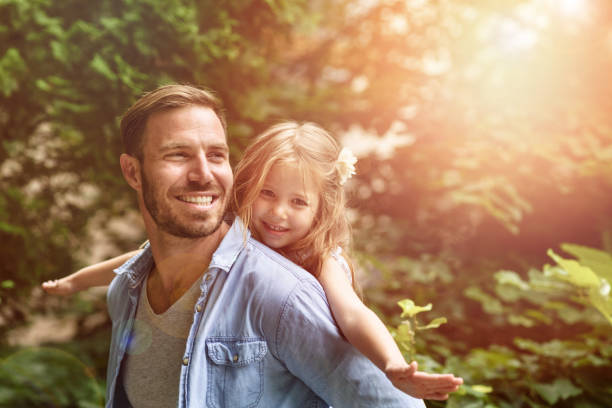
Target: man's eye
[176, 155]
[217, 155]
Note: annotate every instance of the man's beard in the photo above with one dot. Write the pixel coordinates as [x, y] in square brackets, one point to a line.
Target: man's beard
[169, 222]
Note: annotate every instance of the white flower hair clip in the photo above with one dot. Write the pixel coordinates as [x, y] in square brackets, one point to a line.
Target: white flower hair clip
[345, 164]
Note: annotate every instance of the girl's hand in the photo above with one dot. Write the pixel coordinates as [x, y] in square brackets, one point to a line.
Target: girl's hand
[63, 287]
[419, 384]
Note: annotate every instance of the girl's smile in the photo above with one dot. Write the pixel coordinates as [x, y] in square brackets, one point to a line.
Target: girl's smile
[284, 210]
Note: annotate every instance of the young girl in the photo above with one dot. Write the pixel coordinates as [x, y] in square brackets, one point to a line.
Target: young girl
[288, 189]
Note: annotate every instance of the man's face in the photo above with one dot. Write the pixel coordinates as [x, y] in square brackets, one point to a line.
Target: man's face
[186, 175]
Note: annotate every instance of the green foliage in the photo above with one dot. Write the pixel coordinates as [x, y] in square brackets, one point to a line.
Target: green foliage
[44, 377]
[67, 73]
[500, 154]
[591, 275]
[564, 359]
[405, 334]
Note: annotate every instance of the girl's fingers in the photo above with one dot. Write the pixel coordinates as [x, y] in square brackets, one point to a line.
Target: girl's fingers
[437, 397]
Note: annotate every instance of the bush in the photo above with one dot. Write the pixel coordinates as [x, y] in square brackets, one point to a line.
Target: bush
[569, 362]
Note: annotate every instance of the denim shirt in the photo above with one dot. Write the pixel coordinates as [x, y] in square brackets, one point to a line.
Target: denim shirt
[262, 336]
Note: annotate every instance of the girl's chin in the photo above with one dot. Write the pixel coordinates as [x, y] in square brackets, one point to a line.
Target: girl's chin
[272, 244]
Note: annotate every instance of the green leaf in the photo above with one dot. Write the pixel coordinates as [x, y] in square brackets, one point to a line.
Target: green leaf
[599, 261]
[561, 388]
[485, 389]
[12, 229]
[600, 299]
[404, 332]
[583, 276]
[409, 309]
[489, 303]
[518, 320]
[101, 66]
[60, 52]
[111, 23]
[72, 107]
[8, 284]
[12, 66]
[565, 350]
[511, 278]
[571, 271]
[42, 85]
[435, 323]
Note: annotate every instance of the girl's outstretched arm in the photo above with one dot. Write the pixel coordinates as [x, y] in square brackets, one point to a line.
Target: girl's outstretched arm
[100, 274]
[364, 330]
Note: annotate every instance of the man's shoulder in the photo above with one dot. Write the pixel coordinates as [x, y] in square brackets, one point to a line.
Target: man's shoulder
[274, 260]
[267, 267]
[128, 278]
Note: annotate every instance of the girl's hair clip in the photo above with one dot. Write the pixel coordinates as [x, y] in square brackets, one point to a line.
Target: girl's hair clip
[345, 165]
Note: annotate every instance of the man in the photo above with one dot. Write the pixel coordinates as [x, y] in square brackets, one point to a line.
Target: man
[201, 316]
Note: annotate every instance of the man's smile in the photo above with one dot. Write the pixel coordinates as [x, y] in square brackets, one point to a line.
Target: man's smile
[199, 199]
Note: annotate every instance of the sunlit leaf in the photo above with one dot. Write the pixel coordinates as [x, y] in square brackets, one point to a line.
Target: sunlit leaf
[560, 389]
[600, 262]
[409, 309]
[435, 323]
[519, 320]
[572, 271]
[485, 389]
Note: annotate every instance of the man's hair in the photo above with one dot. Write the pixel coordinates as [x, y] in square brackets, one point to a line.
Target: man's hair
[134, 121]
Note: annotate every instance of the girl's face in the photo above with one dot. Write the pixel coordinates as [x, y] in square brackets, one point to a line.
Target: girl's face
[285, 208]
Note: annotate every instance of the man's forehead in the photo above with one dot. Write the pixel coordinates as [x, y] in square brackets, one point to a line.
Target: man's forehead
[184, 125]
[177, 143]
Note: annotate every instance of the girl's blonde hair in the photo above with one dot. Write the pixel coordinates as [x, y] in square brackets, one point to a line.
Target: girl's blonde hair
[315, 152]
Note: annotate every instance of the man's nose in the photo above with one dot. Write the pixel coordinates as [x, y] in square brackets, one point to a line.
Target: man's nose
[199, 170]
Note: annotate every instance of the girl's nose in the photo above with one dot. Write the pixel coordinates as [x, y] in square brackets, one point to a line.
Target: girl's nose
[279, 210]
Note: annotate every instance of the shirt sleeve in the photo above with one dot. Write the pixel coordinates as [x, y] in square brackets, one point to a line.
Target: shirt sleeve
[310, 345]
[337, 255]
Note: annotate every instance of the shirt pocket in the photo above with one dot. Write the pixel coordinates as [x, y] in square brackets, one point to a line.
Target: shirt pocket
[235, 371]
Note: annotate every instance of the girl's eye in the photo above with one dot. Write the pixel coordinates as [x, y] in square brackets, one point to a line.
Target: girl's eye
[300, 202]
[267, 193]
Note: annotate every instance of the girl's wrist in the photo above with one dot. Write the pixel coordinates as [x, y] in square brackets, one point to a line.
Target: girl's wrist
[72, 282]
[395, 365]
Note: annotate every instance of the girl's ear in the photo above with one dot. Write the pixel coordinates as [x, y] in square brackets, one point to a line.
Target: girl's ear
[130, 167]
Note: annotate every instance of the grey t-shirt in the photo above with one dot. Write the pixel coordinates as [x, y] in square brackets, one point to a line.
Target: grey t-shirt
[155, 351]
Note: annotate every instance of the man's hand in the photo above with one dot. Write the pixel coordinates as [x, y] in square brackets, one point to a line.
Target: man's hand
[419, 384]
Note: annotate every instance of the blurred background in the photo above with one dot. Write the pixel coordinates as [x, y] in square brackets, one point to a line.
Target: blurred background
[484, 182]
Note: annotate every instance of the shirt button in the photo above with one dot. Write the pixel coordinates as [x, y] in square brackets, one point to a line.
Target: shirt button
[207, 277]
[235, 357]
[185, 361]
[199, 308]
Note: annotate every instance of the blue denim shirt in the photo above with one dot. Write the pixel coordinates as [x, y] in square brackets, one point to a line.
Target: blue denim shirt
[262, 336]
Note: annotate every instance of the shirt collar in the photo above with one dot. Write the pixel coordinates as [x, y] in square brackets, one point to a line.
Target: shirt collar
[230, 247]
[137, 267]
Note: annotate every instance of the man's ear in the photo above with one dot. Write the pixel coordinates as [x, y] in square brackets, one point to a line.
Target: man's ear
[130, 167]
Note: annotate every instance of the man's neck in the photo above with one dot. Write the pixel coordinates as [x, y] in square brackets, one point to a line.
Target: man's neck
[179, 262]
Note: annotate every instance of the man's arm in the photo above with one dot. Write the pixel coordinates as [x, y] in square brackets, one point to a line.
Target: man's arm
[310, 345]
